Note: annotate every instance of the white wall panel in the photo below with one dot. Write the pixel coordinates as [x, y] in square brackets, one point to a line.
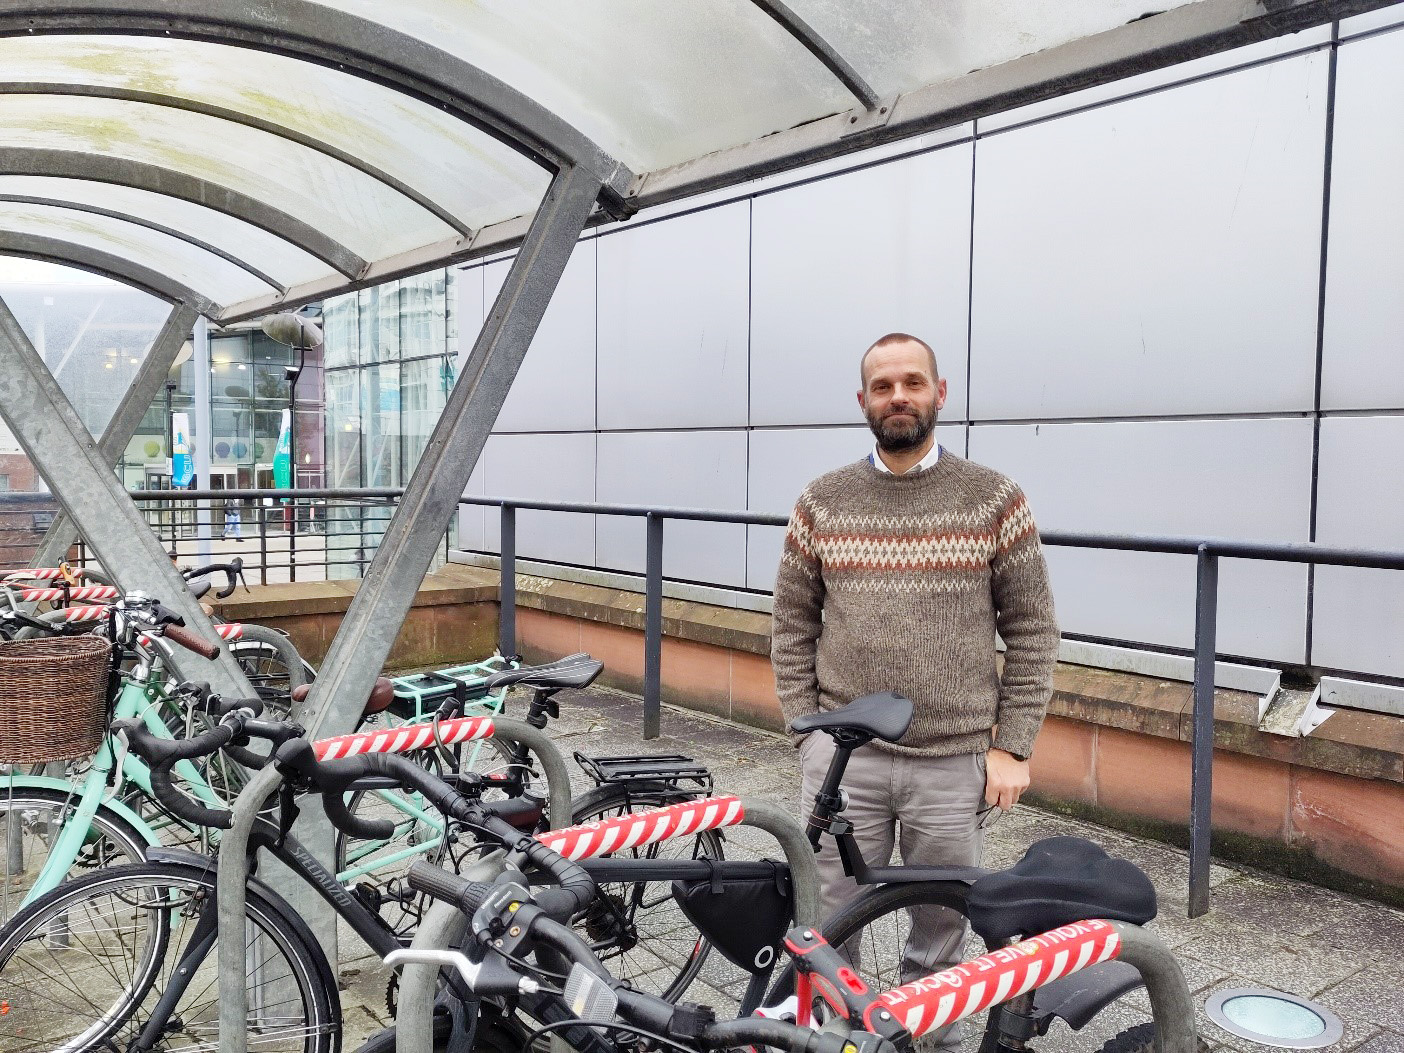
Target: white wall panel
[1238, 478]
[558, 467]
[1155, 256]
[471, 312]
[1364, 339]
[1316, 36]
[472, 519]
[784, 462]
[673, 322]
[1358, 615]
[1389, 16]
[838, 263]
[555, 388]
[702, 469]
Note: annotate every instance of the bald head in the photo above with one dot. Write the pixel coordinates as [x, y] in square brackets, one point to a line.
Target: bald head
[895, 340]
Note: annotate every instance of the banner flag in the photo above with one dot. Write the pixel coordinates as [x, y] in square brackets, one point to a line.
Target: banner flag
[182, 465]
[282, 460]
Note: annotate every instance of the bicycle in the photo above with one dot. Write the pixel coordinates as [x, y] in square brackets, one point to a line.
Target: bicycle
[520, 953]
[52, 827]
[630, 922]
[159, 975]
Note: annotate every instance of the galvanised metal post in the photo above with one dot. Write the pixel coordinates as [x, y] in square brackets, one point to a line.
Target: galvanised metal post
[66, 455]
[378, 610]
[653, 627]
[1202, 740]
[150, 375]
[507, 589]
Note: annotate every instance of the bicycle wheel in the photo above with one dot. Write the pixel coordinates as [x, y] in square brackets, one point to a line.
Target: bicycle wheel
[84, 967]
[274, 668]
[637, 928]
[30, 820]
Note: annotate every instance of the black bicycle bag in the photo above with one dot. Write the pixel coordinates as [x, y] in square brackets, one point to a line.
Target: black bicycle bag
[745, 918]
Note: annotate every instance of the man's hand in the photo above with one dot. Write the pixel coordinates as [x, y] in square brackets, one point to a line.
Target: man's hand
[1006, 778]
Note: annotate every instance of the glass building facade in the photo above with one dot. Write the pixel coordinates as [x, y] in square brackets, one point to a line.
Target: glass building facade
[389, 360]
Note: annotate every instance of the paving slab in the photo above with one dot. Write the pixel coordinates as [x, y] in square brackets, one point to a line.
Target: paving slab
[1262, 930]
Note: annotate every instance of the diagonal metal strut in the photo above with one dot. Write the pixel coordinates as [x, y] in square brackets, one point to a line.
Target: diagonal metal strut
[46, 425]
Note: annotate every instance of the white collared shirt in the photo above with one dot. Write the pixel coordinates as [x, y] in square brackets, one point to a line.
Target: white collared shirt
[926, 462]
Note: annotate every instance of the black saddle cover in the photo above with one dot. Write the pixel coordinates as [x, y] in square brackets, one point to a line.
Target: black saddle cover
[1059, 881]
[745, 918]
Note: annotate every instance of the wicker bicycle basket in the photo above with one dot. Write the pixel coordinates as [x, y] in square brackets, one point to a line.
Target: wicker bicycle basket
[52, 698]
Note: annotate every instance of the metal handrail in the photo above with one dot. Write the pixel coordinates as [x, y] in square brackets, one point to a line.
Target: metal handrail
[1206, 550]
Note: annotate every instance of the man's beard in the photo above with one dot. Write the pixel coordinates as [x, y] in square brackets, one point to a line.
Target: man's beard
[898, 433]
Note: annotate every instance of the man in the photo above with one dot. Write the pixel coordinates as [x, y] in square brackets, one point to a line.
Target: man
[896, 574]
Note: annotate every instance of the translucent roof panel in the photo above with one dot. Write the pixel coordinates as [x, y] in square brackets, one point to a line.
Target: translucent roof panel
[354, 209]
[206, 273]
[654, 83]
[455, 166]
[282, 261]
[899, 45]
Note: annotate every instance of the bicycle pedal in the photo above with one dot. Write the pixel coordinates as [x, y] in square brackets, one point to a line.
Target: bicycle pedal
[369, 896]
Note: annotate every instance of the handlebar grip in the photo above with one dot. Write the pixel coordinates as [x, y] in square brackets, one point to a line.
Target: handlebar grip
[190, 641]
[439, 883]
[334, 804]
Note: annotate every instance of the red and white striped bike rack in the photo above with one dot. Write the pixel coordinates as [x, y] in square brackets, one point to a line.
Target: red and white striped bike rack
[616, 834]
[934, 1001]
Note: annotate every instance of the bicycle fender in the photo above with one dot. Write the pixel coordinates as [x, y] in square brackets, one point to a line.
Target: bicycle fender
[49, 782]
[1078, 998]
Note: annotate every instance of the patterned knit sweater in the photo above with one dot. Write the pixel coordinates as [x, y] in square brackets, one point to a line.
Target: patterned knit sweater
[899, 582]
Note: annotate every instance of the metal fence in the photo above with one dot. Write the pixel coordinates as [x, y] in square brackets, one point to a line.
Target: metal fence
[335, 531]
[1207, 552]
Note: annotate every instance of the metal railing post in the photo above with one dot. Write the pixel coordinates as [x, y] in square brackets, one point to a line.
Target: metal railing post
[1202, 738]
[262, 543]
[507, 589]
[653, 628]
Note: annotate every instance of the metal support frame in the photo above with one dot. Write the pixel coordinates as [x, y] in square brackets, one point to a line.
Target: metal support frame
[653, 626]
[118, 268]
[71, 462]
[821, 49]
[149, 224]
[223, 113]
[120, 171]
[1202, 743]
[145, 386]
[431, 496]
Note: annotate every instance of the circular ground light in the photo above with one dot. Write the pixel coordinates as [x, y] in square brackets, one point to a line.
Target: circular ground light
[1273, 1018]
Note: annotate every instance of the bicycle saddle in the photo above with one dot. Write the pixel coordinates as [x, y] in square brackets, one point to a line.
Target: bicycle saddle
[1059, 881]
[382, 693]
[886, 716]
[577, 670]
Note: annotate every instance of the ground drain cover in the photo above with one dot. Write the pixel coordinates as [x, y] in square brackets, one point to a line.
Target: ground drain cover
[1273, 1018]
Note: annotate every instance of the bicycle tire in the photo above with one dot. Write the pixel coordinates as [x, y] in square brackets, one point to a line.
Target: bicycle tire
[274, 667]
[1141, 1038]
[659, 949]
[112, 840]
[130, 923]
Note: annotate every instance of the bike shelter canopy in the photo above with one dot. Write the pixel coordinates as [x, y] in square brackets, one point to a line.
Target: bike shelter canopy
[239, 159]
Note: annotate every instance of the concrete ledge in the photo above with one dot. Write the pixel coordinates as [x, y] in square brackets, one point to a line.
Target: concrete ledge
[453, 617]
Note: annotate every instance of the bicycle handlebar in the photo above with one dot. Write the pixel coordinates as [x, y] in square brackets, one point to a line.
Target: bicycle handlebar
[233, 570]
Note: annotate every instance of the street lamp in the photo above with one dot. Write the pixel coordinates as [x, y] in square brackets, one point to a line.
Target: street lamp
[303, 334]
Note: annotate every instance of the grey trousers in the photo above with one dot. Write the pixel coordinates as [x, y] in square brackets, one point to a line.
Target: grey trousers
[928, 806]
